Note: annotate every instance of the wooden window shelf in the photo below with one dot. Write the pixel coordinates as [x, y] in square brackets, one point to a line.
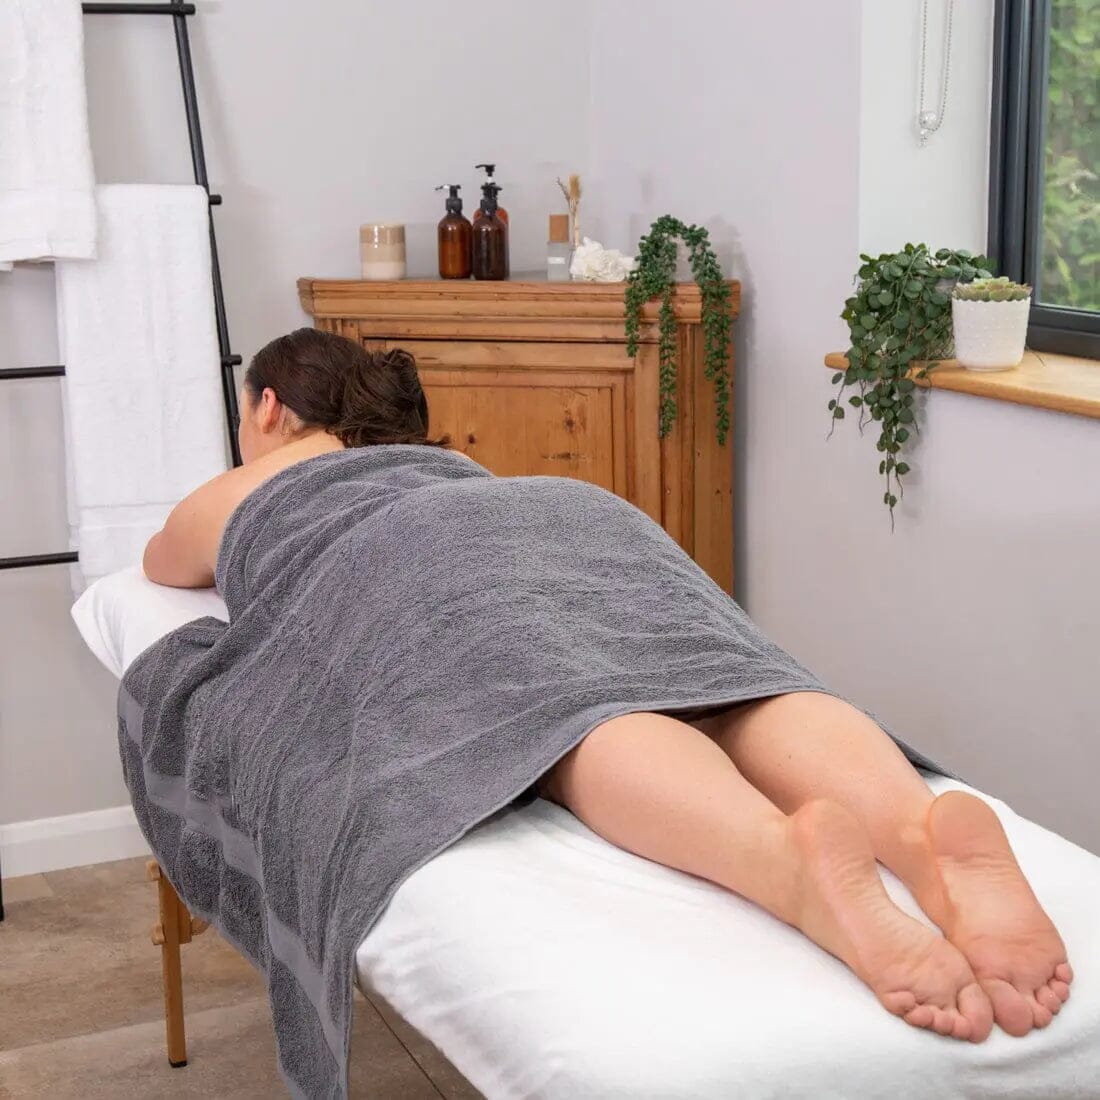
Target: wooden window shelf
[1063, 383]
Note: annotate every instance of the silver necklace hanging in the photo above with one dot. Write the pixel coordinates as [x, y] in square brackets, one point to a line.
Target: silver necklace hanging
[929, 121]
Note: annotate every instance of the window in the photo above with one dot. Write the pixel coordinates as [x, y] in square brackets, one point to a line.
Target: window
[1044, 208]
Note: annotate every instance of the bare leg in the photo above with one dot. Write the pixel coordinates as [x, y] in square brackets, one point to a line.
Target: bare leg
[950, 851]
[663, 790]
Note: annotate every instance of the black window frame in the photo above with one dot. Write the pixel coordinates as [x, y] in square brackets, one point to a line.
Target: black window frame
[1021, 55]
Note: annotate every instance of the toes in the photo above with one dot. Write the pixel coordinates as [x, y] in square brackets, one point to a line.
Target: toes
[1040, 1015]
[1064, 973]
[1011, 1011]
[1060, 988]
[899, 1003]
[1049, 1000]
[959, 1025]
[975, 1006]
[943, 1023]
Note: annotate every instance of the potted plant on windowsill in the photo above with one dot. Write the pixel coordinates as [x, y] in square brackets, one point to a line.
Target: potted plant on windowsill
[989, 322]
[899, 321]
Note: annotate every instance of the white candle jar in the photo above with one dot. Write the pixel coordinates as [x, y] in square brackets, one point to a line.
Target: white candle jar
[382, 250]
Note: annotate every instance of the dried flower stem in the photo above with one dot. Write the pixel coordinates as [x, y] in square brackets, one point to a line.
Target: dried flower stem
[572, 194]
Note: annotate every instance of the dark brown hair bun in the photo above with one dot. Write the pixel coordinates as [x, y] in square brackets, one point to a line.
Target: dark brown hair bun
[362, 397]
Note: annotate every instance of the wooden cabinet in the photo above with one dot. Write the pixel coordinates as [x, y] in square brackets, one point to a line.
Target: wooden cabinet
[530, 377]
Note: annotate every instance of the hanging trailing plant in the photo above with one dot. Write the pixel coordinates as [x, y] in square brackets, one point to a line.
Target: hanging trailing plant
[654, 276]
[899, 315]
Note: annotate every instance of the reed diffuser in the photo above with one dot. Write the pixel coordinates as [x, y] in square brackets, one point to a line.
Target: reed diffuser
[572, 193]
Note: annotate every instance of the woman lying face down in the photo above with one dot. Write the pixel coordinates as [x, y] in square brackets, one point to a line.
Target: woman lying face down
[788, 800]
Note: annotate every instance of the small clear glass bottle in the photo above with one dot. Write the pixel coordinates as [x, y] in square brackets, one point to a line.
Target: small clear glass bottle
[558, 251]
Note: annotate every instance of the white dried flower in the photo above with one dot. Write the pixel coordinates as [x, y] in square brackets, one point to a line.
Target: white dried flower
[595, 264]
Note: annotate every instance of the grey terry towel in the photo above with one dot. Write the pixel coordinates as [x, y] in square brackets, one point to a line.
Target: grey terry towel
[412, 642]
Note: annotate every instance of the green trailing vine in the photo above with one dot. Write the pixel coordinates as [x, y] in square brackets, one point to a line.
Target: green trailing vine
[900, 314]
[655, 277]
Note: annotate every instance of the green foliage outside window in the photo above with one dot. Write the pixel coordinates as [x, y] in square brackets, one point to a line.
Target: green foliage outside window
[1070, 261]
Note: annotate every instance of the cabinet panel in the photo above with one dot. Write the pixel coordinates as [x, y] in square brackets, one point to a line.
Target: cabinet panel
[446, 326]
[644, 456]
[515, 355]
[562, 424]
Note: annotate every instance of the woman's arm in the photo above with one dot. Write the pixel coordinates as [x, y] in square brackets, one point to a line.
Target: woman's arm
[185, 553]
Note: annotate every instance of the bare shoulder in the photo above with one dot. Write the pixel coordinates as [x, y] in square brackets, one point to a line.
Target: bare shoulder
[213, 502]
[185, 553]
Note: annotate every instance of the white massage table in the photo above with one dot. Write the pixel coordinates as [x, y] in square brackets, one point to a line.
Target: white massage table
[545, 962]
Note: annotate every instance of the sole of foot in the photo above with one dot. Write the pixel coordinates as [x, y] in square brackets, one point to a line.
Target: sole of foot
[915, 973]
[992, 916]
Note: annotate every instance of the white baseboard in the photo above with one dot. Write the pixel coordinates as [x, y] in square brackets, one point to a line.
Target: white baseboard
[53, 843]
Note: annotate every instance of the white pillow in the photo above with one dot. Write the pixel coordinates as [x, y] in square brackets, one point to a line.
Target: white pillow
[121, 615]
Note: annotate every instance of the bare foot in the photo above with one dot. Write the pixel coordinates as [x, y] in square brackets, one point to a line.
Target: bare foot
[987, 910]
[844, 908]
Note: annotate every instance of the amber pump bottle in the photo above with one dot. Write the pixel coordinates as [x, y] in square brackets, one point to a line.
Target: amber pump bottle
[454, 237]
[489, 251]
[489, 170]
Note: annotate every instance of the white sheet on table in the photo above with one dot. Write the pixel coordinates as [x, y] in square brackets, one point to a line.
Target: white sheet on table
[124, 613]
[547, 963]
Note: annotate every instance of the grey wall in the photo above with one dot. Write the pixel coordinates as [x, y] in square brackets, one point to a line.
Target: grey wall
[57, 740]
[972, 629]
[317, 117]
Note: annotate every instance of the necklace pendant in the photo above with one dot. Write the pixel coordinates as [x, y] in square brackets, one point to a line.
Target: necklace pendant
[928, 120]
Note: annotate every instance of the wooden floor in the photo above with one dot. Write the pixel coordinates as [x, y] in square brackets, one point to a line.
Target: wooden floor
[81, 1010]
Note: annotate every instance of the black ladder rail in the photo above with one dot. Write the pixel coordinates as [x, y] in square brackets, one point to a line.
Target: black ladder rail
[67, 557]
[11, 373]
[179, 12]
[198, 164]
[170, 8]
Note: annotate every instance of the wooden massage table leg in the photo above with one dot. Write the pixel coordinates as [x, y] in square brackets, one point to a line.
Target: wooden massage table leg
[175, 927]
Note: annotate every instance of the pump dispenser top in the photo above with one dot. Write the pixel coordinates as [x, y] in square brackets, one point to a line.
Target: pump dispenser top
[490, 170]
[454, 236]
[454, 202]
[489, 203]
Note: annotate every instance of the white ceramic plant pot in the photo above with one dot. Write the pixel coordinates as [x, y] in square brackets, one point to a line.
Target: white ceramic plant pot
[989, 335]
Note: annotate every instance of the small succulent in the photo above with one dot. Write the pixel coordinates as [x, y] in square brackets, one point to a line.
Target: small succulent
[1000, 289]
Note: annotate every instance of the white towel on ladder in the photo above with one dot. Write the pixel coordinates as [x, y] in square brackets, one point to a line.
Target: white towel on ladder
[47, 207]
[144, 417]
